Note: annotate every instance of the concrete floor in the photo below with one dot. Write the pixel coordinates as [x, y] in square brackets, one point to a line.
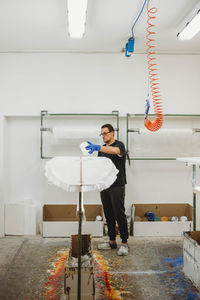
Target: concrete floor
[32, 268]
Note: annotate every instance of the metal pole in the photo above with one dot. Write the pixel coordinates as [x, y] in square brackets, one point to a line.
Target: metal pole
[115, 113]
[118, 125]
[194, 196]
[127, 115]
[41, 134]
[142, 115]
[81, 114]
[194, 211]
[166, 115]
[79, 235]
[79, 247]
[152, 158]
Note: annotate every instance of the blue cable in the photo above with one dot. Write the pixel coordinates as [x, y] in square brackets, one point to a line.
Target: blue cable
[138, 16]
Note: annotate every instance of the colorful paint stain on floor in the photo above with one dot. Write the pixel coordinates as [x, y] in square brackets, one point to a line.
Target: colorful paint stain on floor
[146, 273]
[136, 276]
[103, 272]
[175, 280]
[151, 271]
[53, 287]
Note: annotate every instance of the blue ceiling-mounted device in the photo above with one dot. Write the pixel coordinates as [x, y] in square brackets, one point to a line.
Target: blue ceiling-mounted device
[131, 40]
[130, 46]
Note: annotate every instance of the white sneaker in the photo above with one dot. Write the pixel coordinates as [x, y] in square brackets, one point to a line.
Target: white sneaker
[123, 250]
[103, 246]
[107, 246]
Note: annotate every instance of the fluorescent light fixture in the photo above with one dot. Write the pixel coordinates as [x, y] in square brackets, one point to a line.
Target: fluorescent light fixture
[191, 28]
[76, 17]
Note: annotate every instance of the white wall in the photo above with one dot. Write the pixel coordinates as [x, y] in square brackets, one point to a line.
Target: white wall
[1, 176]
[96, 83]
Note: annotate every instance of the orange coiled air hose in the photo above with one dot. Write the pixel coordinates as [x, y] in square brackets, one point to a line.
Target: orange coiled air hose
[153, 77]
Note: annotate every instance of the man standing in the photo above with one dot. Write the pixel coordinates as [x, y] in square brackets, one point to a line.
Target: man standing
[113, 197]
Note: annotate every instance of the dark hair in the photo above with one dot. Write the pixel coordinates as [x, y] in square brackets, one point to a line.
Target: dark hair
[109, 126]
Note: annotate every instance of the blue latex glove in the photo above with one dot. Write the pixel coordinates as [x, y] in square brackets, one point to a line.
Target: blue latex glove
[147, 107]
[92, 148]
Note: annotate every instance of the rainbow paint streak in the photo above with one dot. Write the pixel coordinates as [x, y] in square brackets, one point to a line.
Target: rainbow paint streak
[53, 286]
[106, 274]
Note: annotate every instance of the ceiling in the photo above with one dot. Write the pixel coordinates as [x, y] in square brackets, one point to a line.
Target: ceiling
[41, 25]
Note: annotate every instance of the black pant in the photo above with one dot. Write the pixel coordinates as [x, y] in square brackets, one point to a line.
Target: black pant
[113, 205]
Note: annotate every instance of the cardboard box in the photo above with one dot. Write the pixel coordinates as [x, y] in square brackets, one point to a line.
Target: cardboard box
[191, 256]
[87, 283]
[159, 228]
[60, 220]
